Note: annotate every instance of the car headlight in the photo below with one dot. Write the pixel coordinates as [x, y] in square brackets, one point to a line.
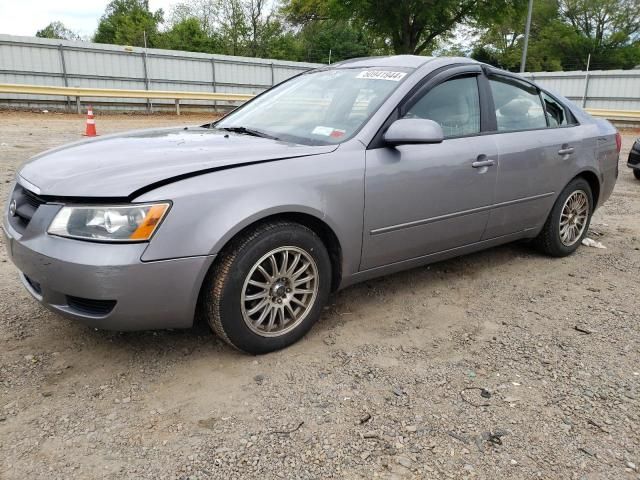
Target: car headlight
[118, 223]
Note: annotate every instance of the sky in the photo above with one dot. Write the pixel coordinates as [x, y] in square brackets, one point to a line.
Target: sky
[26, 17]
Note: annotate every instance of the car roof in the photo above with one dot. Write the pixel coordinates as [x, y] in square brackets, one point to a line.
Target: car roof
[403, 61]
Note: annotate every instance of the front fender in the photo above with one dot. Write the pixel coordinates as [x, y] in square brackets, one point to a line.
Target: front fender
[208, 210]
[255, 217]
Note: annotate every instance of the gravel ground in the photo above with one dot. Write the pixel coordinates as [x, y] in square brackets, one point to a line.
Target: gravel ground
[503, 364]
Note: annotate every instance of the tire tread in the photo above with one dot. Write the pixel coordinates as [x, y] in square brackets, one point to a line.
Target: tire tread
[546, 240]
[218, 276]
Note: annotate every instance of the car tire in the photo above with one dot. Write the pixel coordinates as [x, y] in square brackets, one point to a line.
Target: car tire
[259, 306]
[568, 222]
[636, 173]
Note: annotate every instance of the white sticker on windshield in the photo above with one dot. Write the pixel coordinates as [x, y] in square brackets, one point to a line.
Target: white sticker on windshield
[329, 132]
[382, 75]
[324, 131]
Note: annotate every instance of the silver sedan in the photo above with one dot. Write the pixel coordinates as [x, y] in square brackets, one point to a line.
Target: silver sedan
[336, 176]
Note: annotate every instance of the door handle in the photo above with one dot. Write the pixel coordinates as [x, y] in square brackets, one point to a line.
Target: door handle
[483, 163]
[565, 151]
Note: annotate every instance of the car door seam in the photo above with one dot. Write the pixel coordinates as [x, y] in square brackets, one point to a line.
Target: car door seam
[426, 221]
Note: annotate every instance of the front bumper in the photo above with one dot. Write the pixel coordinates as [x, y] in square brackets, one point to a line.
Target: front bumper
[102, 285]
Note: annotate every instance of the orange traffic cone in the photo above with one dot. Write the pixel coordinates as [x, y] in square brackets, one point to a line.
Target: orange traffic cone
[90, 129]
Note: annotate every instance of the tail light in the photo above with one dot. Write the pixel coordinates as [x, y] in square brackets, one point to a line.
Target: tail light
[618, 141]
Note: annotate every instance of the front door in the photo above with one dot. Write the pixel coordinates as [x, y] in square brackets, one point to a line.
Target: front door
[423, 199]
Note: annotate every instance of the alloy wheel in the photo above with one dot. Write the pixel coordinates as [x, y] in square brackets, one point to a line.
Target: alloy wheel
[574, 216]
[279, 291]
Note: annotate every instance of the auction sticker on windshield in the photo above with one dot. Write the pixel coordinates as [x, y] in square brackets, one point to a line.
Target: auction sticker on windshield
[328, 132]
[381, 75]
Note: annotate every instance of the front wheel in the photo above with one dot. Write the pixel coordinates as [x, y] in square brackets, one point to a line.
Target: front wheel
[636, 173]
[568, 221]
[268, 288]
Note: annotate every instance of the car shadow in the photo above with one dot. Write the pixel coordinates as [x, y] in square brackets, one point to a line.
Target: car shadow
[198, 353]
[450, 271]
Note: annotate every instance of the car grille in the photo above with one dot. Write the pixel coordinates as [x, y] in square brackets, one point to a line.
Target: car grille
[87, 306]
[27, 203]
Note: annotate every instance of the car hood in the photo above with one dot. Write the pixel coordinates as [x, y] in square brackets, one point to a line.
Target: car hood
[118, 166]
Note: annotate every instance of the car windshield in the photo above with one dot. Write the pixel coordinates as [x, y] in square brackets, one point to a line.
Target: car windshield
[317, 108]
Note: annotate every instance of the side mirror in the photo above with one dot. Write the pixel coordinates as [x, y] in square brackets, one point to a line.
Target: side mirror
[413, 130]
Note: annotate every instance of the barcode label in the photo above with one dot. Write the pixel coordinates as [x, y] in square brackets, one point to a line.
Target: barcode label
[381, 75]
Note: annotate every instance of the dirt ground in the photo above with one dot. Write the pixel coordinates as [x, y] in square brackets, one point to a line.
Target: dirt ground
[389, 384]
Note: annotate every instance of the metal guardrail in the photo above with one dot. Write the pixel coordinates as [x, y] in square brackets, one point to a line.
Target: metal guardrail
[623, 115]
[79, 92]
[71, 63]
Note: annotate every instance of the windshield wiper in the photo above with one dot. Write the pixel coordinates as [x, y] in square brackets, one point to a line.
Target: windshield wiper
[249, 131]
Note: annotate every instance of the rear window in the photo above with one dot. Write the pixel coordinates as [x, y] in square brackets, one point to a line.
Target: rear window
[557, 114]
[518, 105]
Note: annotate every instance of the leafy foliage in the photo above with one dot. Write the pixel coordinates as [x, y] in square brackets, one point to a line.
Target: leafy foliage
[563, 32]
[608, 29]
[331, 41]
[57, 30]
[563, 35]
[189, 35]
[406, 26]
[127, 22]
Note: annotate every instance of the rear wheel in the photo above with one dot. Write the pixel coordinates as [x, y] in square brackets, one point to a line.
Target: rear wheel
[268, 288]
[636, 173]
[568, 221]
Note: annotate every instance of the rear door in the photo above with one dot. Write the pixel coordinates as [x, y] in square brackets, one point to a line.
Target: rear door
[535, 154]
[423, 199]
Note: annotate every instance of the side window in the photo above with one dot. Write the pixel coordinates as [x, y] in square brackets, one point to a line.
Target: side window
[454, 104]
[557, 115]
[518, 106]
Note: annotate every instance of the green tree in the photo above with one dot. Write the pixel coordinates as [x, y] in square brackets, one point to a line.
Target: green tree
[606, 23]
[550, 46]
[273, 40]
[57, 30]
[335, 40]
[125, 22]
[285, 45]
[206, 11]
[500, 40]
[187, 35]
[234, 28]
[563, 34]
[260, 26]
[609, 31]
[407, 26]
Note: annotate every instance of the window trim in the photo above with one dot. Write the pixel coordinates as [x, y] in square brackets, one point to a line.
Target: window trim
[490, 71]
[414, 100]
[567, 112]
[431, 80]
[546, 112]
[488, 112]
[515, 80]
[488, 119]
